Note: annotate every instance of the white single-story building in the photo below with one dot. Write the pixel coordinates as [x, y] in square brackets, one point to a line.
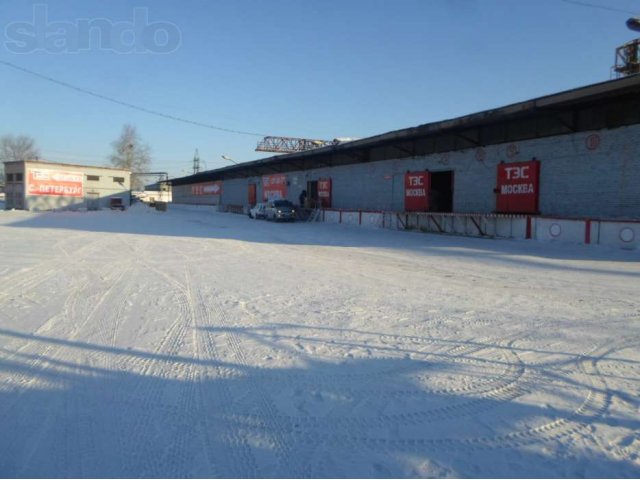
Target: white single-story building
[38, 185]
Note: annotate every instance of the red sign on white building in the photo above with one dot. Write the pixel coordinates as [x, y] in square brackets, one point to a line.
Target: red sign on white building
[274, 186]
[54, 182]
[518, 187]
[324, 192]
[416, 191]
[208, 188]
[592, 141]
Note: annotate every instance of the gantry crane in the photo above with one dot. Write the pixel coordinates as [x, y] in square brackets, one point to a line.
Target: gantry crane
[293, 145]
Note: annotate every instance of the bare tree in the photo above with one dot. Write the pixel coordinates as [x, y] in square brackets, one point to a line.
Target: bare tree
[15, 148]
[129, 152]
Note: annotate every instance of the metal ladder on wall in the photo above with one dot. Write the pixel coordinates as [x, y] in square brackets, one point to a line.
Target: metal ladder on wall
[315, 215]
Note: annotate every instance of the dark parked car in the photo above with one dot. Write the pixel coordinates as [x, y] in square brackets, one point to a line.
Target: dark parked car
[116, 203]
[280, 210]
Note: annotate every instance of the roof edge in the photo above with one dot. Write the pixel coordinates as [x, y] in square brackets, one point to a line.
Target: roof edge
[77, 165]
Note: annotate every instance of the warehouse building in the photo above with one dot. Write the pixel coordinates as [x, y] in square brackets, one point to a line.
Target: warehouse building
[560, 167]
[571, 154]
[37, 185]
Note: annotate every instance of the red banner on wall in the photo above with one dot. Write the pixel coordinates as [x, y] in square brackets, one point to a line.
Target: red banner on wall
[208, 188]
[518, 187]
[54, 182]
[274, 186]
[416, 191]
[324, 192]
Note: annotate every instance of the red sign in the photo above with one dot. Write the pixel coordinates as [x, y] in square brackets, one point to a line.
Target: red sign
[274, 186]
[416, 191]
[592, 141]
[518, 187]
[208, 188]
[324, 192]
[54, 182]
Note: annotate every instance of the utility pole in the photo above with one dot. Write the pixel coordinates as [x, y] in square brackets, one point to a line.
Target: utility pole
[196, 162]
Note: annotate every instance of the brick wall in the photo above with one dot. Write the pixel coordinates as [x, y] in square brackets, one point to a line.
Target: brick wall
[575, 180]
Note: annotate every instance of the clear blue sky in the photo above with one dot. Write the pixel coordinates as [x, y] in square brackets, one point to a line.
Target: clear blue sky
[315, 69]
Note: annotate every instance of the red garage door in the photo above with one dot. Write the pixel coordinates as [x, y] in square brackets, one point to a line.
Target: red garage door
[518, 187]
[324, 192]
[416, 191]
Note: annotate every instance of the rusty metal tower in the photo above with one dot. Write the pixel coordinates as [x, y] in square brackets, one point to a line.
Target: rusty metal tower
[628, 55]
[627, 59]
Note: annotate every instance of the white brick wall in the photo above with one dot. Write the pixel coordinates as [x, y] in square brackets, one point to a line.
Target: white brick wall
[574, 181]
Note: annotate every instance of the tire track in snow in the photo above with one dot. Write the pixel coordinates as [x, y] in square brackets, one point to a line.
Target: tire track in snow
[311, 431]
[626, 448]
[26, 279]
[235, 445]
[70, 314]
[177, 456]
[45, 350]
[174, 458]
[594, 405]
[153, 370]
[179, 453]
[243, 461]
[268, 420]
[501, 388]
[38, 356]
[83, 413]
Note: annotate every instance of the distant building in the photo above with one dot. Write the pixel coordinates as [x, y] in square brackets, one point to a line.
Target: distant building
[37, 185]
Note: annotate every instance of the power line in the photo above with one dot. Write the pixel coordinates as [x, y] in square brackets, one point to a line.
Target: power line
[602, 7]
[126, 104]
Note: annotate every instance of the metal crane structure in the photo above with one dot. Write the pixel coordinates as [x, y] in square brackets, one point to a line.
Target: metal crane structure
[628, 55]
[294, 145]
[289, 144]
[627, 59]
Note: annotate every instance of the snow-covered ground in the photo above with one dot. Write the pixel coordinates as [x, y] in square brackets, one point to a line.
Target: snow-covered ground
[199, 344]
